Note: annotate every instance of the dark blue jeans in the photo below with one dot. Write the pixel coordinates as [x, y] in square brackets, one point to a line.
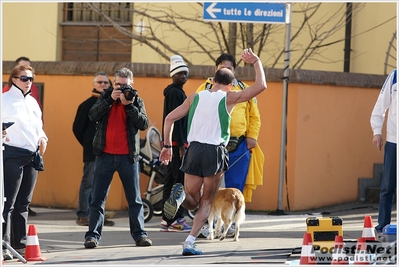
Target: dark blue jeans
[19, 183]
[104, 168]
[388, 186]
[85, 189]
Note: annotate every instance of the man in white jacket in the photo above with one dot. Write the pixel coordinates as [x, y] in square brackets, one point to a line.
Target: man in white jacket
[387, 100]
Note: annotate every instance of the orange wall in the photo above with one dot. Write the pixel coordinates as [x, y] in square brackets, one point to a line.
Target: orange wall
[329, 141]
[330, 144]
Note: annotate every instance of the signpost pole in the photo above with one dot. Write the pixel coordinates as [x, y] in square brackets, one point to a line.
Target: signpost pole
[1, 186]
[248, 12]
[283, 141]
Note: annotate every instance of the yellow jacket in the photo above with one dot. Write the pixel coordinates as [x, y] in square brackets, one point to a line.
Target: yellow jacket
[245, 120]
[255, 172]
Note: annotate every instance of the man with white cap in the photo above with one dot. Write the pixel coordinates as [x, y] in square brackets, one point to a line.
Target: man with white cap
[174, 97]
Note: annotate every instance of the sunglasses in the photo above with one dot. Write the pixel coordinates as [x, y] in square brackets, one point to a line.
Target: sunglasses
[100, 82]
[24, 78]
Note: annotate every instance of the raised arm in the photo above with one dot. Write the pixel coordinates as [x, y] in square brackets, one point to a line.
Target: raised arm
[259, 86]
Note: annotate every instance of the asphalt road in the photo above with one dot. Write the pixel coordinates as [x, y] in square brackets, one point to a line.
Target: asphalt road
[264, 239]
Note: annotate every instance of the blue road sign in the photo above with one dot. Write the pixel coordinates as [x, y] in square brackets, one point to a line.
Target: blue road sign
[245, 12]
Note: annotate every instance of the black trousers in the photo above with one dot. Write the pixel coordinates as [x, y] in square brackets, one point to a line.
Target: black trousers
[19, 182]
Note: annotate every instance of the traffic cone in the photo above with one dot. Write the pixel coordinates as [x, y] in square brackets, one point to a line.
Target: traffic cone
[32, 252]
[307, 251]
[361, 256]
[339, 257]
[368, 229]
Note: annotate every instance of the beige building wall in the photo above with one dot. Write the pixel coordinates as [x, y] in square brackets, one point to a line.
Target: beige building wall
[372, 29]
[31, 30]
[370, 43]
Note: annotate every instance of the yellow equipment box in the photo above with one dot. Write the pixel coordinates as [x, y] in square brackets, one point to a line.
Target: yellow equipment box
[324, 230]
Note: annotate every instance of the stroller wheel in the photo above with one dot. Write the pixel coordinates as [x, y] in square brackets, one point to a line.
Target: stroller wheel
[148, 210]
[157, 212]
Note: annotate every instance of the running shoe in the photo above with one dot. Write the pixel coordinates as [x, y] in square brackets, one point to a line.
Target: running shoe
[232, 230]
[179, 225]
[204, 232]
[164, 226]
[190, 249]
[174, 201]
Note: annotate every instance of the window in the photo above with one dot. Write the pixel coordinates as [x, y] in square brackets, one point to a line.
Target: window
[88, 36]
[80, 12]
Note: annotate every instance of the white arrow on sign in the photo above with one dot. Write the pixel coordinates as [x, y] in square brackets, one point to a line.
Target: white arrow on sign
[211, 9]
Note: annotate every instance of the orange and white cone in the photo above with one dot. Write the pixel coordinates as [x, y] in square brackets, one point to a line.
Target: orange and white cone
[368, 229]
[361, 255]
[339, 257]
[32, 252]
[307, 251]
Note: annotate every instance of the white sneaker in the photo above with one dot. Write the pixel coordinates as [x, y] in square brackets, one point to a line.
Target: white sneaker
[204, 232]
[232, 230]
[7, 255]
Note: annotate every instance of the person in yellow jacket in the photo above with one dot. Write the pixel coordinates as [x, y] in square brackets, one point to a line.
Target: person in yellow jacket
[245, 157]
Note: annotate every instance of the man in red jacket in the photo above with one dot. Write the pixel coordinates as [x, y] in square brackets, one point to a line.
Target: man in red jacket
[84, 130]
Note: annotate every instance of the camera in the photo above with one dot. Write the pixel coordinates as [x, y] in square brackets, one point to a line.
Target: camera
[128, 92]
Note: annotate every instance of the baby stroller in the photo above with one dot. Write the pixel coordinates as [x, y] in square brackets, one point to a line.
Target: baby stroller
[150, 148]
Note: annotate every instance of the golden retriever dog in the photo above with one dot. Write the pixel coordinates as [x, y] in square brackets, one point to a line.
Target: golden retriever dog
[228, 207]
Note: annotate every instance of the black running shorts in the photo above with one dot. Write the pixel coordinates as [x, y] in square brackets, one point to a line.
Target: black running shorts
[205, 160]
